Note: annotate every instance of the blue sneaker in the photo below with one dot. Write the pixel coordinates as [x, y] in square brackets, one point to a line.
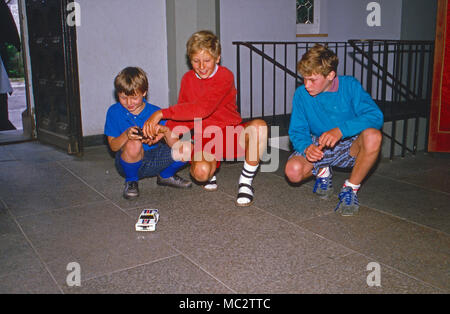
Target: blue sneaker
[323, 187]
[348, 202]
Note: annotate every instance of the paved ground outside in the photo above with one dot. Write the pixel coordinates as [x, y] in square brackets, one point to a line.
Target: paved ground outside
[17, 103]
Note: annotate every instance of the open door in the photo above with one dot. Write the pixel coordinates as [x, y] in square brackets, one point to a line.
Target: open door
[439, 135]
[54, 72]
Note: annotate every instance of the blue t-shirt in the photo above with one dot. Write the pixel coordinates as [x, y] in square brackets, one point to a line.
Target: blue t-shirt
[350, 108]
[119, 119]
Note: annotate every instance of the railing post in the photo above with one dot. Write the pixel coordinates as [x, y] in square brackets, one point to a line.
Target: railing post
[274, 84]
[251, 83]
[238, 76]
[384, 77]
[370, 69]
[262, 81]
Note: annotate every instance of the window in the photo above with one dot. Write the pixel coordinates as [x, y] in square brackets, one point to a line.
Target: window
[308, 16]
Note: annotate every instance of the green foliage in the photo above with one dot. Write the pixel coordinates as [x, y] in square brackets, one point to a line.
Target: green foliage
[13, 62]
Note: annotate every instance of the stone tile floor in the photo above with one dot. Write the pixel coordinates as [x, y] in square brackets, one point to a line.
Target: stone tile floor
[56, 209]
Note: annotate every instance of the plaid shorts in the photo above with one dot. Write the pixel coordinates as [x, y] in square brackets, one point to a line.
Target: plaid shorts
[338, 156]
[155, 161]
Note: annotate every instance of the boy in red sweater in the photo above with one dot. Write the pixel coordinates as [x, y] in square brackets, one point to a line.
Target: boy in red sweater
[208, 93]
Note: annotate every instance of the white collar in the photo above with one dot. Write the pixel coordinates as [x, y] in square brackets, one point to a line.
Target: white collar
[212, 74]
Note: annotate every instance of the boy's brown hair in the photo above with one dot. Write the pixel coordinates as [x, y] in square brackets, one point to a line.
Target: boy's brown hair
[203, 40]
[130, 81]
[318, 60]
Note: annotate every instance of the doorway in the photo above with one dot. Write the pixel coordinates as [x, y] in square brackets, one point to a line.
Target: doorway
[50, 74]
[16, 123]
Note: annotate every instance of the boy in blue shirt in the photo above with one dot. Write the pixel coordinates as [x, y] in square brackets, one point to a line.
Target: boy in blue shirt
[138, 157]
[334, 122]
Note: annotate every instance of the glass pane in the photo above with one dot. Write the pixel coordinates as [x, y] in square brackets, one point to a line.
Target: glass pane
[305, 11]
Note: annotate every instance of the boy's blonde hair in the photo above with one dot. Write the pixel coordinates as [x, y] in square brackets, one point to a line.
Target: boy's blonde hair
[318, 60]
[203, 40]
[130, 81]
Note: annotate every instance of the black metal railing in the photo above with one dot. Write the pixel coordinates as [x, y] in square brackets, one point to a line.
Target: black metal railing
[396, 73]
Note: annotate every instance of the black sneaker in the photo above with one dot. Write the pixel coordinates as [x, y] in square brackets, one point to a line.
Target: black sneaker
[131, 189]
[174, 181]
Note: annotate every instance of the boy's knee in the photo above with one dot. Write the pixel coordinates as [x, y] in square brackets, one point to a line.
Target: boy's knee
[294, 171]
[258, 123]
[132, 148]
[260, 127]
[200, 171]
[371, 139]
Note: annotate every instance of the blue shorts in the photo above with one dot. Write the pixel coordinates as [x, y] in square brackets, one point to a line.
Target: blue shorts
[338, 156]
[155, 161]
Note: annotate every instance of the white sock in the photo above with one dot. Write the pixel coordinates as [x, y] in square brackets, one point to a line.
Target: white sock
[324, 172]
[355, 187]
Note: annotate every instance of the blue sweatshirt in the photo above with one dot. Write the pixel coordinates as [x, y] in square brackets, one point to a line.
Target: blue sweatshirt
[350, 108]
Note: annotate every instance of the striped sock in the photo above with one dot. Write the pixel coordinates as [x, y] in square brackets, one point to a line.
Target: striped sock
[324, 172]
[355, 187]
[211, 185]
[245, 193]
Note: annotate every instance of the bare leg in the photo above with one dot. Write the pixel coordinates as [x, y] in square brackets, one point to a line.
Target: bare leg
[254, 137]
[366, 148]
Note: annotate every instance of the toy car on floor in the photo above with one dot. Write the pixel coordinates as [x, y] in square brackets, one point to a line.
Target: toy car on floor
[147, 220]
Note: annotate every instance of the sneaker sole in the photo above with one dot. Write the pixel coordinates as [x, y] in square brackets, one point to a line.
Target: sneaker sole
[324, 195]
[210, 190]
[129, 197]
[349, 212]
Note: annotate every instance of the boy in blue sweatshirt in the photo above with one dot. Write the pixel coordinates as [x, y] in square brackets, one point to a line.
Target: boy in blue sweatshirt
[334, 122]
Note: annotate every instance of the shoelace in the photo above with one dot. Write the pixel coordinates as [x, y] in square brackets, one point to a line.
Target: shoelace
[348, 196]
[133, 185]
[322, 182]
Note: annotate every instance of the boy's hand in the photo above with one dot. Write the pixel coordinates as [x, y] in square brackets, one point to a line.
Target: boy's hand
[150, 126]
[314, 153]
[330, 138]
[161, 129]
[133, 133]
[153, 140]
[161, 132]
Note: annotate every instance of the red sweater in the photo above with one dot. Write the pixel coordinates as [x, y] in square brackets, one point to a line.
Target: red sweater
[212, 99]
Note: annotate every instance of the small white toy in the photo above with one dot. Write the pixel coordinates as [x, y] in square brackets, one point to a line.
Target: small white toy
[147, 220]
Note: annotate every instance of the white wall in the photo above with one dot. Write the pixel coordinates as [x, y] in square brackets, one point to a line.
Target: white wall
[185, 17]
[347, 19]
[115, 34]
[254, 20]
